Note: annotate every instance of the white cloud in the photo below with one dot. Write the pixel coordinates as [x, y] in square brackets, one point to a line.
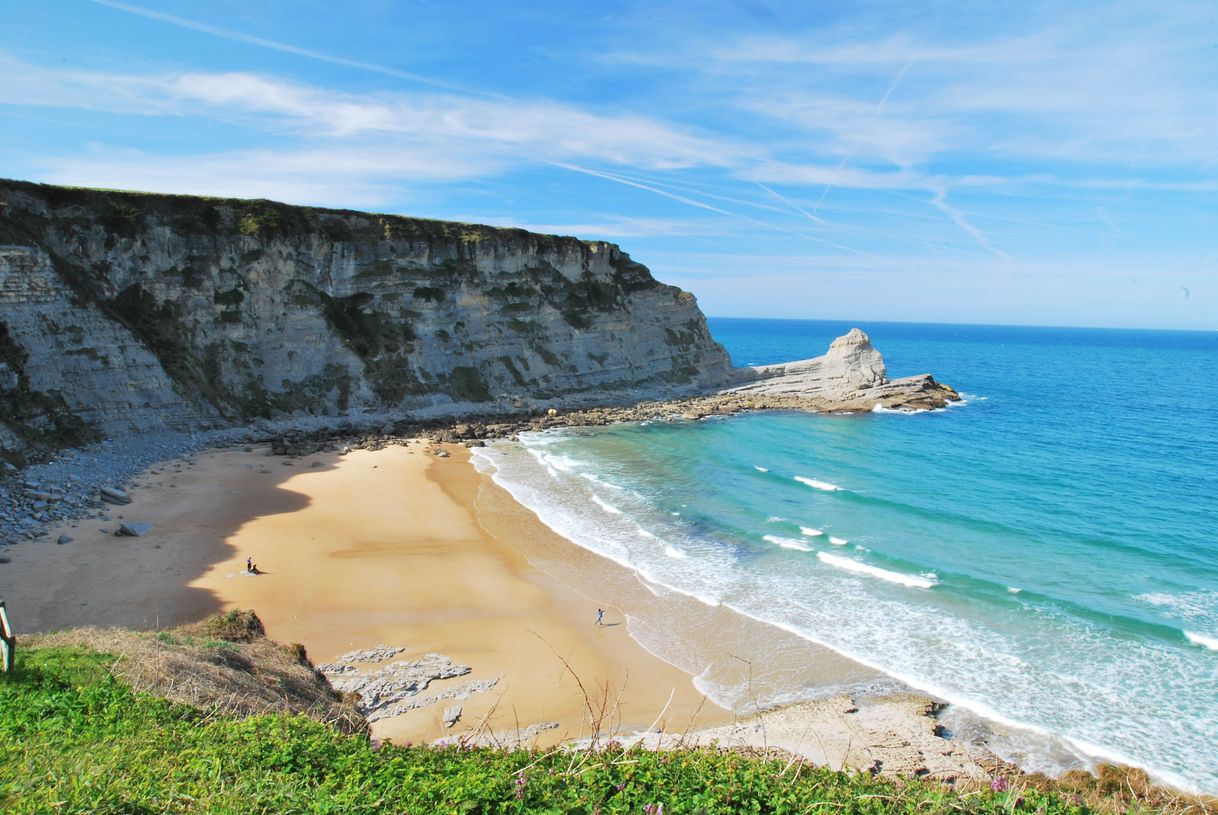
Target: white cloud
[526, 131]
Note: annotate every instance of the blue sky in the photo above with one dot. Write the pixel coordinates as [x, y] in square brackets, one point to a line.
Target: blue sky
[1034, 163]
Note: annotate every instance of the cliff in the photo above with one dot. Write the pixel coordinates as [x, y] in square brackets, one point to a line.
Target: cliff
[124, 312]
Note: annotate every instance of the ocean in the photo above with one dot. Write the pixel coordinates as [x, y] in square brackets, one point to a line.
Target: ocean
[1043, 555]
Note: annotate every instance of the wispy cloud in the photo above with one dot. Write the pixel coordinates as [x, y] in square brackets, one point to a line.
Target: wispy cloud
[535, 130]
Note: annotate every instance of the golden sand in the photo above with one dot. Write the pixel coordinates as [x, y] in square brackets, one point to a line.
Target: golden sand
[358, 551]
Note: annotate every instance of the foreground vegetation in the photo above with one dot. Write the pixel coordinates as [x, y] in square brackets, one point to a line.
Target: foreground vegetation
[74, 738]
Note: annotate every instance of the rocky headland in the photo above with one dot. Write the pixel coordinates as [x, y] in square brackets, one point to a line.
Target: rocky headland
[162, 324]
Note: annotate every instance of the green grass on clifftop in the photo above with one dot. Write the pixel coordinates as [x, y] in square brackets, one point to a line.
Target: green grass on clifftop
[75, 739]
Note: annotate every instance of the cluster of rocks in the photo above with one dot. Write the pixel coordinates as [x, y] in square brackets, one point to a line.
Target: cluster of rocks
[70, 486]
[85, 483]
[393, 689]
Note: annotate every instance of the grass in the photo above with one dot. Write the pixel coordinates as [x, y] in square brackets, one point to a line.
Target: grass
[214, 718]
[75, 738]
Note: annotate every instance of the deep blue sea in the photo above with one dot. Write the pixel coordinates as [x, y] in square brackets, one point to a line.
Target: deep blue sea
[1044, 554]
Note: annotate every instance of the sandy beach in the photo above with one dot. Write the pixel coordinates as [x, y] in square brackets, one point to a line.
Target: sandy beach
[359, 551]
[422, 554]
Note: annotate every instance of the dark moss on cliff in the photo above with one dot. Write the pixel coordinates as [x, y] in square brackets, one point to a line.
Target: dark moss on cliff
[366, 331]
[467, 384]
[41, 419]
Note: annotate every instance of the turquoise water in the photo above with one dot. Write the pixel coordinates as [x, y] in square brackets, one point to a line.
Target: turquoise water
[1045, 555]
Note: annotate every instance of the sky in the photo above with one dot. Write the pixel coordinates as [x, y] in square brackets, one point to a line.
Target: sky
[1032, 163]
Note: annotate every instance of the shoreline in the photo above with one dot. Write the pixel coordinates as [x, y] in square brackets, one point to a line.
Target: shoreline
[357, 551]
[428, 554]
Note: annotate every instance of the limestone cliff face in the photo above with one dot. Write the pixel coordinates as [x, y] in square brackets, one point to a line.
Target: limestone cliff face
[123, 311]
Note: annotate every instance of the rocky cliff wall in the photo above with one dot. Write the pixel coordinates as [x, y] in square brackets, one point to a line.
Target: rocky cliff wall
[121, 312]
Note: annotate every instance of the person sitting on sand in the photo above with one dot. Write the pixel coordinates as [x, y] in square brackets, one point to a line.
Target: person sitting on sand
[254, 569]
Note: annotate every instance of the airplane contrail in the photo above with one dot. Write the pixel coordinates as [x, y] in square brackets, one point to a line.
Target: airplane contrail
[287, 48]
[699, 204]
[792, 205]
[879, 109]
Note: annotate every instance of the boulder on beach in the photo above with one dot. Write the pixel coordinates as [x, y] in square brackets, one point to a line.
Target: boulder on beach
[113, 495]
[132, 529]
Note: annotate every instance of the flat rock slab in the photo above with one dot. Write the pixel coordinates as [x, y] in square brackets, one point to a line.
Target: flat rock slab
[133, 529]
[393, 689]
[378, 654]
[113, 495]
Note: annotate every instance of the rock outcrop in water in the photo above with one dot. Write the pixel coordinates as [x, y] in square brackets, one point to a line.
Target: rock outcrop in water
[123, 312]
[851, 376]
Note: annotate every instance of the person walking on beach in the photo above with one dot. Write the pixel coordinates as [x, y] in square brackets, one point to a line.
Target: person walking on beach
[600, 616]
[249, 565]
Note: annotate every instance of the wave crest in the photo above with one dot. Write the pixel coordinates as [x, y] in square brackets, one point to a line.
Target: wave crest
[818, 485]
[845, 563]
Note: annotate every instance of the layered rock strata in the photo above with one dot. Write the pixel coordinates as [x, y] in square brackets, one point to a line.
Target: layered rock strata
[124, 313]
[850, 377]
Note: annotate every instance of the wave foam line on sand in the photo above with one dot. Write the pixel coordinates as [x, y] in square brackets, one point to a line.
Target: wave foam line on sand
[913, 581]
[787, 543]
[605, 505]
[600, 482]
[818, 485]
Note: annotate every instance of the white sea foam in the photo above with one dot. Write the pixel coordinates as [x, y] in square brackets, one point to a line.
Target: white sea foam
[558, 461]
[1202, 640]
[605, 505]
[643, 533]
[595, 479]
[838, 541]
[761, 469]
[543, 460]
[1193, 605]
[913, 581]
[481, 460]
[818, 485]
[810, 532]
[674, 552]
[892, 633]
[775, 519]
[899, 411]
[788, 543]
[1014, 590]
